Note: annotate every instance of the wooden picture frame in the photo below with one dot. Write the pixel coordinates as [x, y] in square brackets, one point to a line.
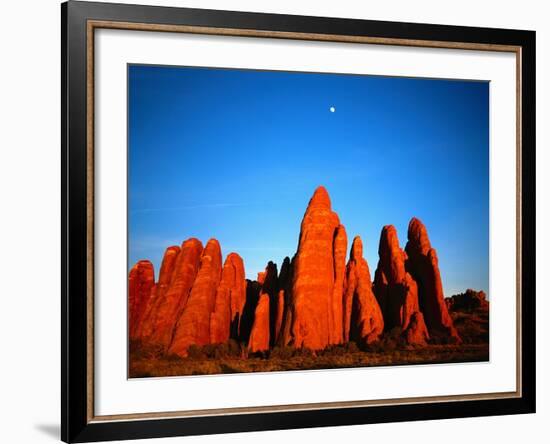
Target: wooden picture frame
[79, 22]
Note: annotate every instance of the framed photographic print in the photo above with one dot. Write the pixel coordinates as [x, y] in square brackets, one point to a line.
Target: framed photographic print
[275, 221]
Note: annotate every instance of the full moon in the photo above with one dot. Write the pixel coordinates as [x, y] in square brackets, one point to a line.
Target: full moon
[332, 109]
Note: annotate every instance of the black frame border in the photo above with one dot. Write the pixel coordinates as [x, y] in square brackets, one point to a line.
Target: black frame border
[75, 424]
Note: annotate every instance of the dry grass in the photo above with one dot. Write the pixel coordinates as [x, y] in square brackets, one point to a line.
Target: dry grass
[147, 364]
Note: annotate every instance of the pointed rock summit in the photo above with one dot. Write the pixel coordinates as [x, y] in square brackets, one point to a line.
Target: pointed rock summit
[364, 322]
[395, 289]
[423, 265]
[313, 285]
[230, 299]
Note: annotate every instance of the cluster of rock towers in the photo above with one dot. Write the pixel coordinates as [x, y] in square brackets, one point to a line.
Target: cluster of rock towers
[316, 300]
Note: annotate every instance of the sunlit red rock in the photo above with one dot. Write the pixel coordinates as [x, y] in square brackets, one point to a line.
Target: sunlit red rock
[180, 269]
[417, 332]
[165, 276]
[230, 299]
[141, 281]
[167, 267]
[193, 326]
[317, 300]
[422, 263]
[340, 248]
[395, 289]
[313, 285]
[366, 322]
[259, 336]
[237, 286]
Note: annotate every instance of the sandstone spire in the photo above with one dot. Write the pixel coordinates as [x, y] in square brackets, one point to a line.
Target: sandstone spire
[423, 265]
[230, 298]
[259, 336]
[363, 320]
[313, 283]
[340, 248]
[395, 289]
[286, 279]
[193, 326]
[141, 282]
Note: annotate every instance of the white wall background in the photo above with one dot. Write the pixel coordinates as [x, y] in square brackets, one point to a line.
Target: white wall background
[30, 208]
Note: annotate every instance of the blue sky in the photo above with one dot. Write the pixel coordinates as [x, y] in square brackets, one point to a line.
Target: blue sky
[236, 155]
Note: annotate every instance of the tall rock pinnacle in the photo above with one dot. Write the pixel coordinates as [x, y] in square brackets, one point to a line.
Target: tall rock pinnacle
[230, 298]
[395, 288]
[423, 265]
[259, 336]
[314, 276]
[363, 319]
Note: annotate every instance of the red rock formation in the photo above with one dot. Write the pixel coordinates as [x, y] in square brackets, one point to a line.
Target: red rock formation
[237, 285]
[141, 281]
[316, 301]
[167, 267]
[229, 300]
[417, 332]
[423, 265]
[313, 286]
[281, 301]
[366, 322]
[340, 248]
[395, 289]
[168, 305]
[285, 283]
[193, 326]
[259, 336]
[270, 285]
[165, 275]
[252, 296]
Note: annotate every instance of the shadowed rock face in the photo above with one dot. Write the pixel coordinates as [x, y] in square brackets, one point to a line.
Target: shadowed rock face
[366, 322]
[423, 265]
[269, 281]
[313, 285]
[193, 326]
[286, 279]
[230, 299]
[180, 266]
[395, 289]
[141, 282]
[252, 297]
[257, 326]
[281, 302]
[317, 300]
